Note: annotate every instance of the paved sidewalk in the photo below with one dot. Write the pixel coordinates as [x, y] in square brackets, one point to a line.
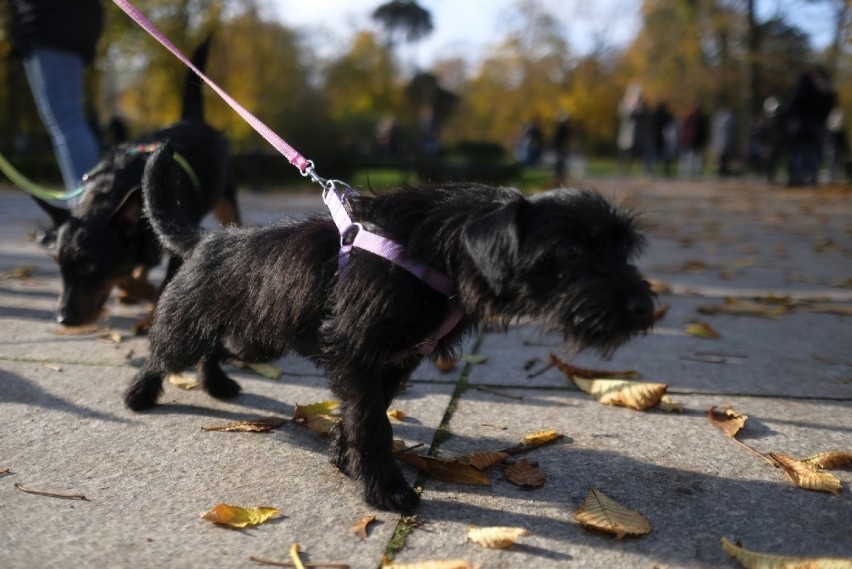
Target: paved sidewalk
[147, 477]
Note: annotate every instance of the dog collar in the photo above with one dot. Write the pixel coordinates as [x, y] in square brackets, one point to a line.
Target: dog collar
[354, 234]
[181, 161]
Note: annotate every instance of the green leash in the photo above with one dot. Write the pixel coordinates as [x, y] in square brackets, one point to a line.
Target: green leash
[31, 187]
[45, 193]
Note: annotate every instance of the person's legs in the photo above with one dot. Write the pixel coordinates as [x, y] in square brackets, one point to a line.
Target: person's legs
[56, 80]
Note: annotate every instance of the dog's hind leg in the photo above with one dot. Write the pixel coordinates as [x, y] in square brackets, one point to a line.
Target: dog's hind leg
[214, 380]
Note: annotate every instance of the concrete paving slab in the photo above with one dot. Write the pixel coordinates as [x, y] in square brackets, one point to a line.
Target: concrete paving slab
[691, 482]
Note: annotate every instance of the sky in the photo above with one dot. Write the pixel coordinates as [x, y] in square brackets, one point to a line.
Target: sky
[468, 27]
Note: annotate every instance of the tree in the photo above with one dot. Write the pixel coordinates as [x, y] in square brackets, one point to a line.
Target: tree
[404, 18]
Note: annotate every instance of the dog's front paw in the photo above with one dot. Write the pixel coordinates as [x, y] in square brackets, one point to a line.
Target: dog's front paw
[144, 391]
[397, 498]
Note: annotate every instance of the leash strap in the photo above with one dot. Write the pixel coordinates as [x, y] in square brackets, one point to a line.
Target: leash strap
[33, 188]
[267, 133]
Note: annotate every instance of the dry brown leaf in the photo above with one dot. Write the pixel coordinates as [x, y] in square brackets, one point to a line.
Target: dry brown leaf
[633, 394]
[18, 273]
[757, 560]
[483, 460]
[827, 308]
[601, 512]
[79, 330]
[183, 380]
[571, 371]
[255, 426]
[729, 421]
[830, 460]
[495, 537]
[451, 471]
[433, 564]
[359, 528]
[5, 471]
[237, 516]
[669, 406]
[525, 474]
[702, 330]
[805, 476]
[321, 424]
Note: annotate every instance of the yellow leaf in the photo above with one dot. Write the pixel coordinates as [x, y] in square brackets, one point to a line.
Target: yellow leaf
[541, 437]
[729, 421]
[806, 477]
[830, 460]
[433, 564]
[484, 459]
[256, 426]
[669, 406]
[633, 394]
[397, 414]
[702, 330]
[758, 560]
[601, 512]
[238, 517]
[359, 528]
[525, 474]
[321, 424]
[294, 555]
[738, 307]
[452, 471]
[495, 537]
[183, 380]
[572, 371]
[321, 408]
[266, 370]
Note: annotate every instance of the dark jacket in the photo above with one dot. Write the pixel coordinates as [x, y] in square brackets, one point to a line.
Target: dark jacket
[70, 25]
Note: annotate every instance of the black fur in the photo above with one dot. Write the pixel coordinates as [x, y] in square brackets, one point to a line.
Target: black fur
[106, 242]
[560, 258]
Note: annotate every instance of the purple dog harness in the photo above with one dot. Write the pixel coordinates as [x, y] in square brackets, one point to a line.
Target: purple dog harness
[352, 234]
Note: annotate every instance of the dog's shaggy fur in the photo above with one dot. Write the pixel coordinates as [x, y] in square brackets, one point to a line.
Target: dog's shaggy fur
[105, 241]
[559, 258]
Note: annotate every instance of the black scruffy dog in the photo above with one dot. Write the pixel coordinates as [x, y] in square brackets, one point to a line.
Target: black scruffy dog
[560, 258]
[106, 242]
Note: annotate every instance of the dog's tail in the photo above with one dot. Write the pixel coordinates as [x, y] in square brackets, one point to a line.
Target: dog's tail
[193, 100]
[176, 233]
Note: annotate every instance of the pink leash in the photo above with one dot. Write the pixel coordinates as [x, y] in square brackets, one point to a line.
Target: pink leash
[351, 234]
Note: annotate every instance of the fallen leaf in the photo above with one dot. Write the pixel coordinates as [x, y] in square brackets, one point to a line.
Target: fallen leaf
[702, 330]
[451, 471]
[321, 424]
[266, 370]
[757, 560]
[474, 359]
[739, 307]
[830, 460]
[111, 337]
[495, 537]
[571, 371]
[482, 460]
[525, 474]
[601, 512]
[729, 420]
[826, 308]
[805, 476]
[359, 528]
[5, 471]
[237, 516]
[633, 394]
[18, 273]
[321, 408]
[396, 414]
[433, 564]
[294, 555]
[669, 406]
[541, 437]
[79, 330]
[183, 380]
[255, 426]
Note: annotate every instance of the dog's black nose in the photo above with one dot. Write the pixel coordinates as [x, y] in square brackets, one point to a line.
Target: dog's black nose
[641, 308]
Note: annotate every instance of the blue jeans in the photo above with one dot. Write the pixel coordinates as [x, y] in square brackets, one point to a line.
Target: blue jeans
[56, 80]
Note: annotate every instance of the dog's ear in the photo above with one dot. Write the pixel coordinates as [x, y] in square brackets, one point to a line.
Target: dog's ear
[128, 214]
[58, 215]
[493, 242]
